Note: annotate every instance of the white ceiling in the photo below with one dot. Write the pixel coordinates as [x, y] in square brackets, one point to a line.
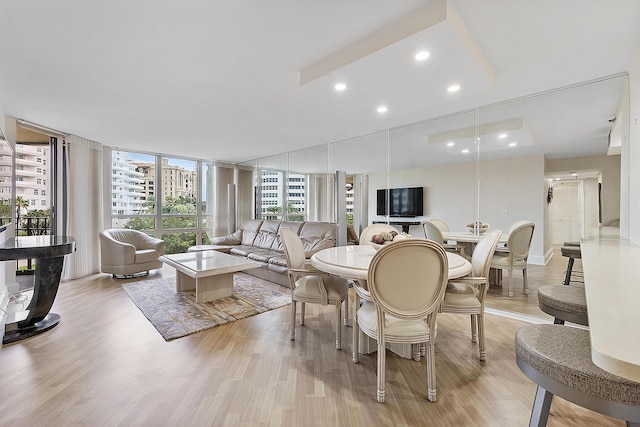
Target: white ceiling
[220, 79]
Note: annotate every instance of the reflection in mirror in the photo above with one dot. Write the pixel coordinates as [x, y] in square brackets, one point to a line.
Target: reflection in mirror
[546, 158]
[310, 192]
[440, 157]
[361, 158]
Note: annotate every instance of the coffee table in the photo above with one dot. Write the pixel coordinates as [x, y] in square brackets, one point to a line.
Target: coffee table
[210, 273]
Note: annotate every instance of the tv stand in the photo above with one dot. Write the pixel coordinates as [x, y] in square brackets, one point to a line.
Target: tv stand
[404, 224]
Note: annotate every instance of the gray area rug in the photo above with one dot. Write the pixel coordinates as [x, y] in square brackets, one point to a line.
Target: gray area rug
[177, 314]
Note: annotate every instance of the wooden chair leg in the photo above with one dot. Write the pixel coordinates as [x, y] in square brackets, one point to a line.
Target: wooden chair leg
[302, 310]
[524, 279]
[481, 348]
[346, 310]
[292, 327]
[510, 282]
[338, 325]
[381, 368]
[474, 328]
[431, 372]
[356, 330]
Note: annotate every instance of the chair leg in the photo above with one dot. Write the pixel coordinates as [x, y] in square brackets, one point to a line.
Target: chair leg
[381, 370]
[431, 371]
[567, 275]
[481, 348]
[415, 349]
[474, 328]
[541, 406]
[510, 282]
[292, 327]
[338, 325]
[423, 349]
[302, 310]
[524, 279]
[356, 331]
[346, 310]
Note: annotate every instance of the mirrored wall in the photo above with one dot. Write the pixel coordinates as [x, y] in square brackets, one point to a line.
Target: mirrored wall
[495, 164]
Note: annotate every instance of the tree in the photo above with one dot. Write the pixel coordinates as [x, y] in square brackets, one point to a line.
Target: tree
[21, 204]
[277, 210]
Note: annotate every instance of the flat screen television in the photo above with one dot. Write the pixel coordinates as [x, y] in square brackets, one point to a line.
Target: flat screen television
[403, 202]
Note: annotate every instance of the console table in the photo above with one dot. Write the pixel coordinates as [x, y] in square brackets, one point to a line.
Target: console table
[48, 252]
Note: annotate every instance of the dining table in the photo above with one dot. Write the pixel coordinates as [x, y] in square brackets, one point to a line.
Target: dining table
[352, 262]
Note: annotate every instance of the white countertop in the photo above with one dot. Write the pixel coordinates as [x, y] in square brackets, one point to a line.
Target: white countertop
[612, 285]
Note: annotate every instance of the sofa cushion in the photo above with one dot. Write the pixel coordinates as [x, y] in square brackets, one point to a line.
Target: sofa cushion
[295, 226]
[317, 236]
[263, 256]
[267, 235]
[244, 250]
[146, 255]
[250, 231]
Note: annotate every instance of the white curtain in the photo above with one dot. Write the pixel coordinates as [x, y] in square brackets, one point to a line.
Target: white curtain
[84, 189]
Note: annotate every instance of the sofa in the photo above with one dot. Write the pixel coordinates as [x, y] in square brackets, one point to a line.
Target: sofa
[125, 252]
[259, 240]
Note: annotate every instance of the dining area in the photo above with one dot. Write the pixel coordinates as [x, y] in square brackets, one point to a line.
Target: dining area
[402, 288]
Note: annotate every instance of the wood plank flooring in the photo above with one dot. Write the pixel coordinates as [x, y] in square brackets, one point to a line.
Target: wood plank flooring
[105, 365]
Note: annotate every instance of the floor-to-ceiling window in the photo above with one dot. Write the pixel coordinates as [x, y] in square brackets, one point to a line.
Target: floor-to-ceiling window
[159, 195]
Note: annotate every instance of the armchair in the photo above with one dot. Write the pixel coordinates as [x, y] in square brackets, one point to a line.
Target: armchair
[125, 252]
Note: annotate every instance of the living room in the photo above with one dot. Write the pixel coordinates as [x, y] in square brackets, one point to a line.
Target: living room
[494, 186]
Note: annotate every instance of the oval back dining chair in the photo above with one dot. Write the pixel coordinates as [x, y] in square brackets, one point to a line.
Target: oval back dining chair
[433, 233]
[466, 295]
[310, 285]
[406, 281]
[373, 229]
[514, 255]
[442, 226]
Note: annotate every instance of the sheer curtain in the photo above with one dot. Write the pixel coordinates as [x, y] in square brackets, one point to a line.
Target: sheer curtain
[82, 181]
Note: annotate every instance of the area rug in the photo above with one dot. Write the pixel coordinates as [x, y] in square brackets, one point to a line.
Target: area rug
[177, 314]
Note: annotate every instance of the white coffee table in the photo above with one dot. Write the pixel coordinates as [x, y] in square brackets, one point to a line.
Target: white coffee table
[210, 273]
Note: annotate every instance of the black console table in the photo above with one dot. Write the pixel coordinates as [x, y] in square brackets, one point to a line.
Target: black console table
[405, 224]
[48, 252]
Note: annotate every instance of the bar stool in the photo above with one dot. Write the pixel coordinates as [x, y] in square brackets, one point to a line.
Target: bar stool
[565, 303]
[572, 251]
[558, 359]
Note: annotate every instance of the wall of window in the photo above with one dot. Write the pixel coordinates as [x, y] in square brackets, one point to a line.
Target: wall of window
[165, 197]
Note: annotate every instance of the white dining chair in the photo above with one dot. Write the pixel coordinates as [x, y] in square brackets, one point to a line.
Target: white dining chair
[432, 232]
[373, 229]
[406, 282]
[466, 295]
[515, 254]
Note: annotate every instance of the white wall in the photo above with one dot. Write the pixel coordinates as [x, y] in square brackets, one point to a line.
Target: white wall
[609, 166]
[510, 190]
[634, 153]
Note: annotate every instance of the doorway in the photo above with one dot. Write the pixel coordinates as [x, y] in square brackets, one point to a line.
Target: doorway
[565, 212]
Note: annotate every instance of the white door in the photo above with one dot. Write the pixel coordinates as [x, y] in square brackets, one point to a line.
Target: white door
[565, 212]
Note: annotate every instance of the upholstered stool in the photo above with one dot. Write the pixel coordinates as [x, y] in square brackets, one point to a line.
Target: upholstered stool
[558, 359]
[571, 251]
[565, 303]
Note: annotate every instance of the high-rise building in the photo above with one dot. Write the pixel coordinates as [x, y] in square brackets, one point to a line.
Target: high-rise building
[127, 190]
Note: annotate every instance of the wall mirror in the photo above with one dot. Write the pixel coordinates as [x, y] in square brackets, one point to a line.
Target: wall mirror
[493, 164]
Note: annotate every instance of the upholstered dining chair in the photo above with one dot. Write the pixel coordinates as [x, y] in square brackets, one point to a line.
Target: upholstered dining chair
[466, 295]
[406, 282]
[373, 229]
[515, 254]
[442, 226]
[432, 232]
[311, 286]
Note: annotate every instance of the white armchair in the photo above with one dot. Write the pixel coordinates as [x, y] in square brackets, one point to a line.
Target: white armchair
[125, 252]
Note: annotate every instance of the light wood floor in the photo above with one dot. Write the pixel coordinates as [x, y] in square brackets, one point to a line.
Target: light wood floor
[105, 365]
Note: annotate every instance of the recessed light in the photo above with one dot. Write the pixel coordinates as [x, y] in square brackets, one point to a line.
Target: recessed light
[382, 109]
[574, 173]
[465, 151]
[557, 179]
[422, 55]
[453, 88]
[340, 87]
[502, 136]
[513, 144]
[450, 144]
